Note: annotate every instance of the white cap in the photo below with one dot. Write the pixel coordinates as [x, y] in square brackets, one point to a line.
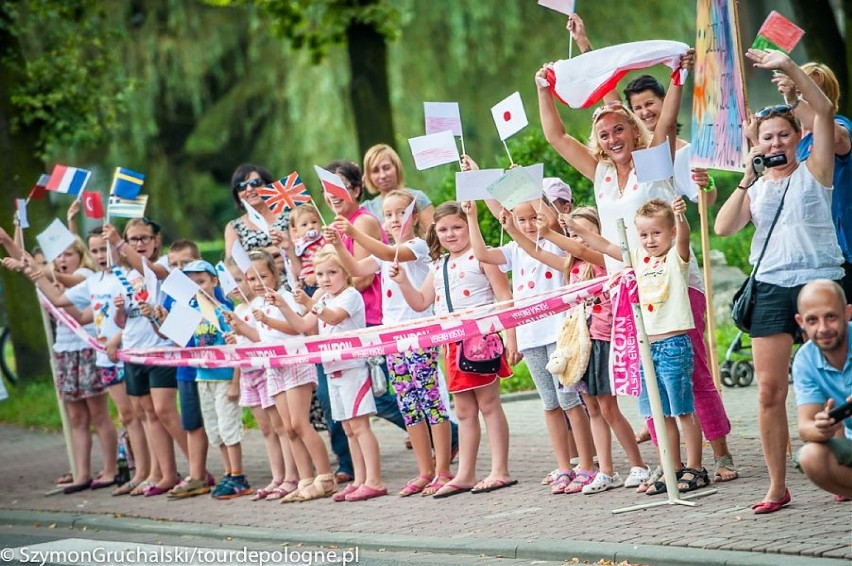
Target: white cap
[556, 188]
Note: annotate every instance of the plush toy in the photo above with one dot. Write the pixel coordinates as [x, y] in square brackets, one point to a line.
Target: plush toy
[569, 361]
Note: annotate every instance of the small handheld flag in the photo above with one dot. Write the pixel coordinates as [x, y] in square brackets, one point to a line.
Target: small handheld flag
[332, 184]
[509, 116]
[777, 32]
[241, 257]
[40, 188]
[126, 184]
[256, 218]
[123, 208]
[93, 207]
[55, 239]
[286, 193]
[68, 180]
[21, 212]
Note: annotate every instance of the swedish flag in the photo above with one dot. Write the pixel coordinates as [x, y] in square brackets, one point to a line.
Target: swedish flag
[126, 184]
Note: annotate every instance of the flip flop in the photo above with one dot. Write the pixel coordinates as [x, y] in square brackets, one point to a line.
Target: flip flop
[125, 488]
[451, 489]
[65, 478]
[497, 484]
[100, 484]
[77, 487]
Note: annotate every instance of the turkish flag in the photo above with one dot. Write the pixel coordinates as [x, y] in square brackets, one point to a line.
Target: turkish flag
[92, 205]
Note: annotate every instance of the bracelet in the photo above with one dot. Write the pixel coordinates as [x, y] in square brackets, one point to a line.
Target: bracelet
[711, 186]
[317, 308]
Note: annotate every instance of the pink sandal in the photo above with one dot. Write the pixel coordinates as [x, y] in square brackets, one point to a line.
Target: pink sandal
[412, 487]
[581, 479]
[265, 492]
[561, 481]
[440, 479]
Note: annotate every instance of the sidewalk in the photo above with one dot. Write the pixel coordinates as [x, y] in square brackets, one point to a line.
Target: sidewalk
[522, 521]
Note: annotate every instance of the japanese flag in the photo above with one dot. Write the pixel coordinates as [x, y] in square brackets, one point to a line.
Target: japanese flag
[509, 116]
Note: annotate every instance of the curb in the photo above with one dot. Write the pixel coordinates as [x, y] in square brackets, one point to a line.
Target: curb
[556, 550]
[519, 396]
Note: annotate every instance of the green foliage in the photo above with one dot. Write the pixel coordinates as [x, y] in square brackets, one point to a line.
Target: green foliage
[70, 90]
[519, 381]
[31, 404]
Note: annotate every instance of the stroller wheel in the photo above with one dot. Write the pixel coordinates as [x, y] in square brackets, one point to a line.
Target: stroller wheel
[743, 373]
[727, 378]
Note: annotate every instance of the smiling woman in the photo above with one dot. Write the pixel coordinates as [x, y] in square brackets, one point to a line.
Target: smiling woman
[245, 182]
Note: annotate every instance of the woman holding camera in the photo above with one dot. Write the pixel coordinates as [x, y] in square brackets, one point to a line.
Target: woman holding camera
[803, 246]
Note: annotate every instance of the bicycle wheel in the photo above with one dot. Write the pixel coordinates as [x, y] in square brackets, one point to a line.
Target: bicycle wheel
[6, 345]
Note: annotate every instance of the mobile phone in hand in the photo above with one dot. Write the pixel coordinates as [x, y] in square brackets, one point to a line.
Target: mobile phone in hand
[840, 413]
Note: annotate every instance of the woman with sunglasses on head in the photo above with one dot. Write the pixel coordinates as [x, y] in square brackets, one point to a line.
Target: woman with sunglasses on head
[245, 182]
[803, 247]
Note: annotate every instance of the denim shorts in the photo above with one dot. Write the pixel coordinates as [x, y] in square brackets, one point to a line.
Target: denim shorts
[673, 365]
[190, 406]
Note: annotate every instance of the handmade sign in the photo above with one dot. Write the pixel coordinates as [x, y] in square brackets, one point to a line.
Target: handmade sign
[442, 116]
[777, 32]
[473, 185]
[718, 103]
[563, 6]
[434, 149]
[514, 187]
[654, 163]
[55, 240]
[179, 287]
[181, 323]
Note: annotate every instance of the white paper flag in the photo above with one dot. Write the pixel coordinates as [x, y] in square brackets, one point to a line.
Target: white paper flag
[226, 280]
[256, 218]
[509, 116]
[179, 287]
[654, 163]
[181, 323]
[434, 149]
[151, 282]
[442, 116]
[21, 205]
[536, 173]
[473, 185]
[564, 6]
[241, 257]
[515, 187]
[54, 240]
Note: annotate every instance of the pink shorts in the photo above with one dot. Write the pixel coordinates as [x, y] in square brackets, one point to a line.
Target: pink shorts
[253, 391]
[285, 378]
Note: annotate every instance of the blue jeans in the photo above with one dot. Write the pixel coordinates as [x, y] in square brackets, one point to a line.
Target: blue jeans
[673, 364]
[386, 408]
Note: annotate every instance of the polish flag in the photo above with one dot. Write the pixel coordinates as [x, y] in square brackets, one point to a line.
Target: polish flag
[406, 217]
[509, 116]
[92, 205]
[584, 80]
[68, 180]
[332, 184]
[40, 188]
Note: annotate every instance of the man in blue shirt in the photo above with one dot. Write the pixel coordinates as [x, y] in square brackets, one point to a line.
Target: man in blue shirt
[822, 376]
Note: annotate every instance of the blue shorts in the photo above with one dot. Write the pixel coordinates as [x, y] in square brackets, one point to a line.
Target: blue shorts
[673, 365]
[190, 406]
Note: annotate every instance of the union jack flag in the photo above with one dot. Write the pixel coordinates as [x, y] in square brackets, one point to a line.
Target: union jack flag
[285, 193]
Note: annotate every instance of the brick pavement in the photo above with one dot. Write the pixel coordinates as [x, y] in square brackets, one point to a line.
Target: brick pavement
[813, 525]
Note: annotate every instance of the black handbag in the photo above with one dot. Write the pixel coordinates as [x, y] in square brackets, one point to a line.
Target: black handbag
[742, 306]
[477, 354]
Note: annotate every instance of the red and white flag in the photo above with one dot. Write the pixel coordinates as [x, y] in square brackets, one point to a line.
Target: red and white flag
[68, 180]
[93, 207]
[40, 188]
[584, 80]
[406, 217]
[332, 184]
[509, 116]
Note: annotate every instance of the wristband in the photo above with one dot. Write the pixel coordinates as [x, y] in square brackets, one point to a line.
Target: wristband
[318, 308]
[711, 186]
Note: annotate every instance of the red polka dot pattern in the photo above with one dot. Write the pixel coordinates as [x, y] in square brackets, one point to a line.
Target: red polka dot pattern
[548, 275]
[597, 308]
[466, 292]
[390, 293]
[650, 308]
[531, 284]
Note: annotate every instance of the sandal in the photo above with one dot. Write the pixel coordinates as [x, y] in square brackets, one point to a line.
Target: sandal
[67, 477]
[691, 479]
[300, 493]
[548, 479]
[652, 479]
[561, 481]
[140, 489]
[725, 462]
[340, 496]
[659, 486]
[439, 481]
[581, 479]
[265, 492]
[412, 487]
[281, 491]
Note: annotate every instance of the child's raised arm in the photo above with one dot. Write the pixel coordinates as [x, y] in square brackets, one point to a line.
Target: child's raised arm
[418, 299]
[376, 247]
[525, 243]
[595, 240]
[570, 245]
[356, 268]
[667, 123]
[239, 326]
[682, 228]
[294, 323]
[320, 311]
[482, 252]
[133, 258]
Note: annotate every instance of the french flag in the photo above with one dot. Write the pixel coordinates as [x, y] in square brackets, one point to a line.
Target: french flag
[68, 180]
[582, 81]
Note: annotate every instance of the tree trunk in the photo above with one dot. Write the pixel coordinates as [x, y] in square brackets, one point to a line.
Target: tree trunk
[369, 91]
[822, 38]
[20, 171]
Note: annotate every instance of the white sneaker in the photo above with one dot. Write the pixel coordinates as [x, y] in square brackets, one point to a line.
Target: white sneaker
[638, 474]
[602, 482]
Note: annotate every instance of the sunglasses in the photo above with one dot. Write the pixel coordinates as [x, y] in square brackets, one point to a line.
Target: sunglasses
[771, 110]
[253, 183]
[609, 107]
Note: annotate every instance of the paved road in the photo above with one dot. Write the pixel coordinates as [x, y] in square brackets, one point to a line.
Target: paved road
[524, 521]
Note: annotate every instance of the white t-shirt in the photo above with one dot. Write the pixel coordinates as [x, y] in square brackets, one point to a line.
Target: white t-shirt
[66, 340]
[469, 287]
[266, 333]
[138, 331]
[663, 292]
[394, 307]
[530, 277]
[351, 301]
[612, 206]
[98, 290]
[243, 311]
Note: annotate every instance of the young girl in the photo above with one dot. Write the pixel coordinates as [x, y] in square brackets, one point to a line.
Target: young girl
[254, 394]
[413, 374]
[471, 284]
[537, 341]
[339, 308]
[289, 386]
[662, 266]
[583, 264]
